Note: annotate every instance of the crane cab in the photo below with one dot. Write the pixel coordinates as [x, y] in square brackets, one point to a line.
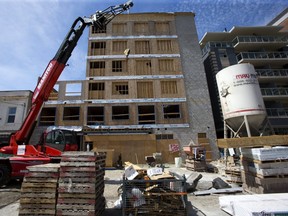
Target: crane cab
[58, 139]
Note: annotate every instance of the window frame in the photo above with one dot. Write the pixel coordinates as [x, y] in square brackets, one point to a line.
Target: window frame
[11, 115]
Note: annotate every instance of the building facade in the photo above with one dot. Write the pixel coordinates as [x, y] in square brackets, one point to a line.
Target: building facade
[266, 48]
[14, 106]
[145, 89]
[281, 20]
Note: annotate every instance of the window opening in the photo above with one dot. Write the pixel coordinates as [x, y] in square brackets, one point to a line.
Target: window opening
[118, 66]
[98, 48]
[71, 113]
[146, 114]
[171, 111]
[95, 115]
[120, 112]
[120, 88]
[73, 89]
[97, 68]
[47, 116]
[96, 30]
[11, 114]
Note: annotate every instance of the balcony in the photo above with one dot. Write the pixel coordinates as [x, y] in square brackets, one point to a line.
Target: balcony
[272, 75]
[263, 58]
[274, 93]
[277, 112]
[215, 44]
[242, 43]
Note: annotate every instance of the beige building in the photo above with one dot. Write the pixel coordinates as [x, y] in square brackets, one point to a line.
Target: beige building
[14, 106]
[145, 89]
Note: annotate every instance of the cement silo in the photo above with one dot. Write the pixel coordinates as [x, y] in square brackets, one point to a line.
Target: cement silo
[241, 100]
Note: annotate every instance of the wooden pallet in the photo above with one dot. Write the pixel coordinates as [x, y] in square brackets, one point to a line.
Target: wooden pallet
[234, 175]
[195, 165]
[81, 184]
[39, 190]
[268, 184]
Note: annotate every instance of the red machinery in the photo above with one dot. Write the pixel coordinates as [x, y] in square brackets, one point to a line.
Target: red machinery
[24, 154]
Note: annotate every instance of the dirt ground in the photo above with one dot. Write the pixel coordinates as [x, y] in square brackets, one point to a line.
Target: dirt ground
[197, 205]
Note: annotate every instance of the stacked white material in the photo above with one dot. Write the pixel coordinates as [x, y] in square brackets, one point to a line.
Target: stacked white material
[260, 204]
[265, 170]
[277, 153]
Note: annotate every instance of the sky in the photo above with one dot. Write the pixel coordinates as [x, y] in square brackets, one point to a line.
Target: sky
[32, 30]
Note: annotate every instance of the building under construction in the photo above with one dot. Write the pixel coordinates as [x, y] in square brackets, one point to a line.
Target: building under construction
[145, 90]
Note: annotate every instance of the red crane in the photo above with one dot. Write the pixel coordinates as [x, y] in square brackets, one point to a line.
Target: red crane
[24, 154]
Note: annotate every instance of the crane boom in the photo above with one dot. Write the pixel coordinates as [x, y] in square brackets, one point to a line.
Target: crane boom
[55, 67]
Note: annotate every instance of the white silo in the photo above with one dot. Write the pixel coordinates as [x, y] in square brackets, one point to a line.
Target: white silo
[240, 96]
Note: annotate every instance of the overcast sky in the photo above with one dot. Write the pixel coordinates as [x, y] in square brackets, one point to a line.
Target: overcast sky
[32, 30]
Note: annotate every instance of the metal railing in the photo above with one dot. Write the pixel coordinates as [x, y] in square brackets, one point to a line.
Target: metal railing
[215, 44]
[274, 91]
[261, 55]
[272, 72]
[259, 39]
[277, 112]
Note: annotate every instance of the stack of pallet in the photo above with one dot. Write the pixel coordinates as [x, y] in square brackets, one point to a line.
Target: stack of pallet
[265, 170]
[205, 143]
[233, 174]
[195, 158]
[81, 184]
[39, 190]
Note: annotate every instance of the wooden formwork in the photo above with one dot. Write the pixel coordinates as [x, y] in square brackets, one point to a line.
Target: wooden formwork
[133, 147]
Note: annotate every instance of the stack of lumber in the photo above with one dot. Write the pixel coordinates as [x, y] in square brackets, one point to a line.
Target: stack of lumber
[39, 190]
[81, 184]
[264, 170]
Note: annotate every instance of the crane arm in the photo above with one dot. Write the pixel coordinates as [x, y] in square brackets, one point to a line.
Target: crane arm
[55, 67]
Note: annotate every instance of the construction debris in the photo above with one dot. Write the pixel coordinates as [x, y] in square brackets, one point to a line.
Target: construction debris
[218, 191]
[153, 192]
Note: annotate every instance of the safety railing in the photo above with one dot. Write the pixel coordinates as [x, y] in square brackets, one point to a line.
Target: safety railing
[277, 112]
[274, 91]
[261, 55]
[259, 39]
[272, 72]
